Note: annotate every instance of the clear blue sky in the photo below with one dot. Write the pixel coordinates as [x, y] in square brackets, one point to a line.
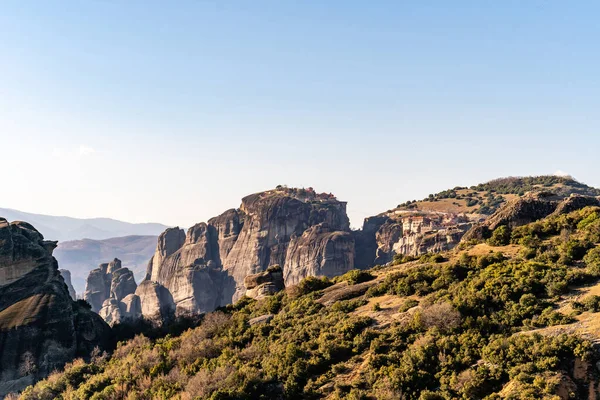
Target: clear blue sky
[172, 111]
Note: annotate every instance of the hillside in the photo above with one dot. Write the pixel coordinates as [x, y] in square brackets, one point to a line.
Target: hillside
[68, 228]
[81, 256]
[486, 198]
[488, 320]
[438, 222]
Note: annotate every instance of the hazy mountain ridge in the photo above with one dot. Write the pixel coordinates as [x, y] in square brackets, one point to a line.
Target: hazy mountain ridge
[63, 228]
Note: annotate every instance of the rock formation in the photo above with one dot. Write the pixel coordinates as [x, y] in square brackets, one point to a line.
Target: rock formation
[110, 290]
[66, 274]
[81, 256]
[265, 283]
[408, 233]
[41, 327]
[304, 232]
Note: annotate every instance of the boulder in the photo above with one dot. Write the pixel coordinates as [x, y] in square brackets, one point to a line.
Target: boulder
[131, 307]
[156, 302]
[264, 283]
[263, 319]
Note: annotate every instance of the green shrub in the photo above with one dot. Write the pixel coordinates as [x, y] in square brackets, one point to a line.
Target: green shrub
[590, 303]
[355, 276]
[500, 236]
[310, 284]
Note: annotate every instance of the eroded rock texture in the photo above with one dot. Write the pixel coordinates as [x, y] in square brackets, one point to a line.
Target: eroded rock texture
[41, 327]
[304, 232]
[408, 233]
[107, 287]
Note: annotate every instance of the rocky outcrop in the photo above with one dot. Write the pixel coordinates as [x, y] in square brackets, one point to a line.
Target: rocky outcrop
[319, 251]
[304, 232]
[528, 209]
[106, 288]
[41, 327]
[408, 233]
[265, 283]
[156, 302]
[66, 274]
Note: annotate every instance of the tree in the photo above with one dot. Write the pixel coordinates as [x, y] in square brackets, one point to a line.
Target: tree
[28, 365]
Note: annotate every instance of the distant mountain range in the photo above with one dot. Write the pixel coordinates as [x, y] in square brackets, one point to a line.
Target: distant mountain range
[81, 256]
[68, 228]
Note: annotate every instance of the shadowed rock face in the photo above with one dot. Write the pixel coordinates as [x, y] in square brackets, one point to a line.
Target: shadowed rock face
[304, 232]
[41, 327]
[106, 288]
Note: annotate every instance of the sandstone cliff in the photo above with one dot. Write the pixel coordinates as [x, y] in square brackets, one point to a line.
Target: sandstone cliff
[41, 327]
[110, 290]
[304, 232]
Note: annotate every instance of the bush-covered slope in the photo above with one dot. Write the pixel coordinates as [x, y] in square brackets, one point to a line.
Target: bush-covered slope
[458, 325]
[486, 198]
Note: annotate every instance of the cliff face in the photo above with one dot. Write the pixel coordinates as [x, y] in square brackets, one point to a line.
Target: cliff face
[304, 232]
[409, 233]
[41, 327]
[107, 289]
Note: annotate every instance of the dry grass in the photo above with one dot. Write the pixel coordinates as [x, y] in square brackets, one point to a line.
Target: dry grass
[343, 291]
[453, 205]
[587, 324]
[388, 312]
[482, 249]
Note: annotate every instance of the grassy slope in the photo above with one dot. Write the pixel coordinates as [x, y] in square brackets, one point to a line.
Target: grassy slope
[488, 197]
[460, 325]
